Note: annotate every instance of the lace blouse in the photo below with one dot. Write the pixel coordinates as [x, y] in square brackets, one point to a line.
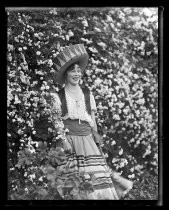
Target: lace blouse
[76, 109]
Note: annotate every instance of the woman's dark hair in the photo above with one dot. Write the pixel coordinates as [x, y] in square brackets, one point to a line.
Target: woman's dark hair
[69, 69]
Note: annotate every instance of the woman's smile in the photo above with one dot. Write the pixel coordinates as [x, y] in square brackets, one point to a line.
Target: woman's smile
[76, 78]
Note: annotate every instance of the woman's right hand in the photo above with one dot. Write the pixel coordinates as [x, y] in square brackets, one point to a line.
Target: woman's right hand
[67, 146]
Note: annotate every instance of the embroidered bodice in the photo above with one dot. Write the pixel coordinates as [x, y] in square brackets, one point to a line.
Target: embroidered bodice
[76, 108]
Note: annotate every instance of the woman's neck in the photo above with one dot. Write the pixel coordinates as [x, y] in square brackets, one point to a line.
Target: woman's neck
[72, 87]
[74, 91]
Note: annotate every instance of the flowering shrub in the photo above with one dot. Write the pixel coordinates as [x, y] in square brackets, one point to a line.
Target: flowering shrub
[122, 74]
[43, 181]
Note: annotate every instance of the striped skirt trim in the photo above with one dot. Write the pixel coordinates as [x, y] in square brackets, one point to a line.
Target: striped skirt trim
[87, 159]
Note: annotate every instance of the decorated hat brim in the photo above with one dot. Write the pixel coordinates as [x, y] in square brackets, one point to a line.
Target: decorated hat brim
[82, 61]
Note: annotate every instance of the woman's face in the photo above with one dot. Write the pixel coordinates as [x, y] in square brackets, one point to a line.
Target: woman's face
[74, 74]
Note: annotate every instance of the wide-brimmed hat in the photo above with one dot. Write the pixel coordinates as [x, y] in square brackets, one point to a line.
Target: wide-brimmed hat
[70, 54]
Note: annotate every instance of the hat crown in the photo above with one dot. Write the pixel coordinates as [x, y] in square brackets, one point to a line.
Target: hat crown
[68, 53]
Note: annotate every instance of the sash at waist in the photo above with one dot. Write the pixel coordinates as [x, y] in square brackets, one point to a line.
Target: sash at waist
[76, 129]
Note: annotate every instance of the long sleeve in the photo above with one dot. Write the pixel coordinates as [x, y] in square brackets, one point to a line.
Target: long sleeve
[56, 103]
[57, 121]
[93, 109]
[56, 110]
[92, 103]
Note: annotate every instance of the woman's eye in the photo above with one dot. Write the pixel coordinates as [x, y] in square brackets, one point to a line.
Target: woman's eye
[73, 71]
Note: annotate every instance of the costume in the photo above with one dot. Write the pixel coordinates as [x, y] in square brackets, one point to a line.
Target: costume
[76, 114]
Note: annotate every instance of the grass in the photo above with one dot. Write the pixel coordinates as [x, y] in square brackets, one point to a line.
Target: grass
[144, 189]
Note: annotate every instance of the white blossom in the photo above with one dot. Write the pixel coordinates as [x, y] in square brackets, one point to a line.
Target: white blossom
[97, 29]
[103, 45]
[70, 33]
[113, 143]
[121, 151]
[116, 117]
[85, 23]
[38, 53]
[41, 179]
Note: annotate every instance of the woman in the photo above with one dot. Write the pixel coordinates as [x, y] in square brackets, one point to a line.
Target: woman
[78, 109]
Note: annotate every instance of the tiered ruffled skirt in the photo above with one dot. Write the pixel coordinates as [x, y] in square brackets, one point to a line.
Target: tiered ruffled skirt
[87, 159]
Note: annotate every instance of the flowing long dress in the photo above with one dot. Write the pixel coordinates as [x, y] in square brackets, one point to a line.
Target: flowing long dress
[86, 156]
